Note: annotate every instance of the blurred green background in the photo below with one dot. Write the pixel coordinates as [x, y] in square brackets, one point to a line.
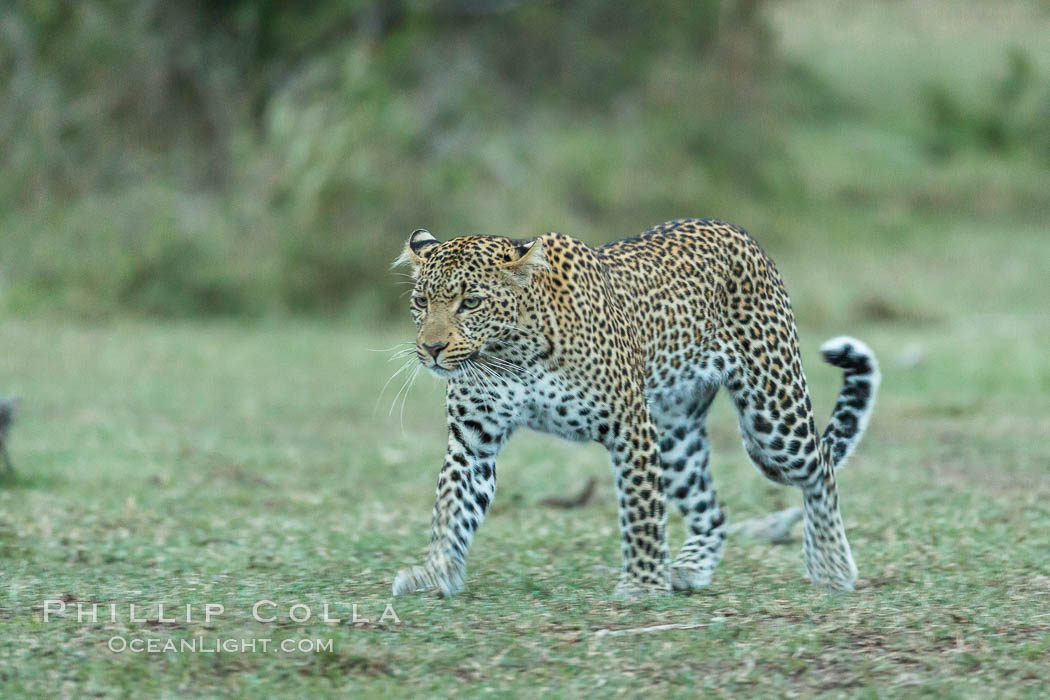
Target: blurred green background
[268, 157]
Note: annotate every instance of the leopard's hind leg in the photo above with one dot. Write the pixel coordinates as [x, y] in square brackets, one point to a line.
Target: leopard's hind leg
[780, 436]
[687, 483]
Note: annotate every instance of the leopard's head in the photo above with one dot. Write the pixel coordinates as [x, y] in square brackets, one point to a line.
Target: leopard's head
[466, 294]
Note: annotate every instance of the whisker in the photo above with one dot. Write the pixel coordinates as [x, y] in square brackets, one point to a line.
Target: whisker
[500, 362]
[486, 370]
[392, 347]
[510, 366]
[382, 391]
[472, 371]
[398, 394]
[402, 353]
[476, 372]
[404, 400]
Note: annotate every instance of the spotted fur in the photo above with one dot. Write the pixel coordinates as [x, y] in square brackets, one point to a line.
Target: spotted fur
[628, 344]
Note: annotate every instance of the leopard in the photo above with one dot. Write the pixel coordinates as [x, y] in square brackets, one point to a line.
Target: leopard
[627, 344]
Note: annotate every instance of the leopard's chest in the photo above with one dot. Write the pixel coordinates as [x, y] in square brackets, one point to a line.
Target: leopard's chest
[551, 405]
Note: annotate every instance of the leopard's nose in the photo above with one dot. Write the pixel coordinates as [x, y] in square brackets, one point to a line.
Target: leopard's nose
[434, 349]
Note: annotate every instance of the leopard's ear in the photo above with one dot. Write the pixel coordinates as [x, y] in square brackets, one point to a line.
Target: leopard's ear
[417, 249]
[529, 259]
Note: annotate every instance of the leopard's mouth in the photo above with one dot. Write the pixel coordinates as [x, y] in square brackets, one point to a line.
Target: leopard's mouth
[443, 372]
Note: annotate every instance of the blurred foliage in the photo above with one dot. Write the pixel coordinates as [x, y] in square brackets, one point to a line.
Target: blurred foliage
[253, 156]
[219, 157]
[1014, 115]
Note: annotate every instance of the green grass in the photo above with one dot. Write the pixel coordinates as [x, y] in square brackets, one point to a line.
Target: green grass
[225, 463]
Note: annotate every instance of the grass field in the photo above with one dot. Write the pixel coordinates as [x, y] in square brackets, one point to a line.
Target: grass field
[193, 464]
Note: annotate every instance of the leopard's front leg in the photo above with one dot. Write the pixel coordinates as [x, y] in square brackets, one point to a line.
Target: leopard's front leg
[465, 488]
[643, 515]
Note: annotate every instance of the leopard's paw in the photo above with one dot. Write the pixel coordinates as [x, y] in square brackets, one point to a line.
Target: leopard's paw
[631, 589]
[841, 579]
[418, 579]
[413, 580]
[831, 565]
[689, 577]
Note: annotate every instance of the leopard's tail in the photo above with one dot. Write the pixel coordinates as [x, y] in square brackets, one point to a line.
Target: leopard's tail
[856, 399]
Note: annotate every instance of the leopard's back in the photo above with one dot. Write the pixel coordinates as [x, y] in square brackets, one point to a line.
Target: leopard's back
[699, 292]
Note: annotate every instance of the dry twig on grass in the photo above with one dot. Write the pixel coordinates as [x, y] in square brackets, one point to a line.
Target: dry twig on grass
[774, 528]
[581, 499]
[646, 630]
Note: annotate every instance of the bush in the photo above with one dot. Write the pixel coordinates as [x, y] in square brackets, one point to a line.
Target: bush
[1014, 117]
[248, 156]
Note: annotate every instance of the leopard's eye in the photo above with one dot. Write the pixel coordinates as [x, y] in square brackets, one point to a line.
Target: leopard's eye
[419, 302]
[470, 303]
